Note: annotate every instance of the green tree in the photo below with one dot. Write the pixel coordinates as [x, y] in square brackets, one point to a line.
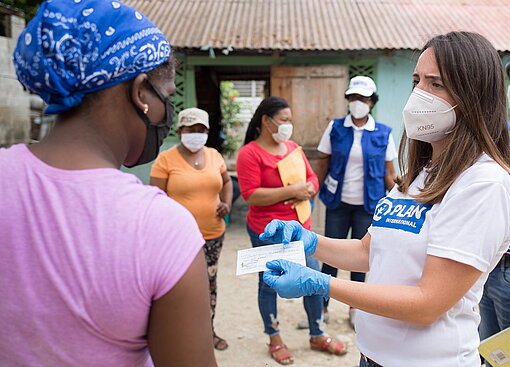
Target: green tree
[230, 108]
[29, 7]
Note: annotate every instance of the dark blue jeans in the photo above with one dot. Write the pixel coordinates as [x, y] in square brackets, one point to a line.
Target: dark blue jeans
[495, 302]
[338, 223]
[363, 363]
[267, 298]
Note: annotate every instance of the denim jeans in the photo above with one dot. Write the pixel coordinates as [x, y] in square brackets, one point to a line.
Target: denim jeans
[338, 223]
[363, 363]
[267, 298]
[495, 302]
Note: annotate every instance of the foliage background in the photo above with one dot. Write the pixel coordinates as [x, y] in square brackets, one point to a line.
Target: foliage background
[232, 126]
[29, 7]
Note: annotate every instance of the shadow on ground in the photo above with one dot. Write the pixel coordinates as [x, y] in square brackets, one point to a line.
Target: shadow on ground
[239, 322]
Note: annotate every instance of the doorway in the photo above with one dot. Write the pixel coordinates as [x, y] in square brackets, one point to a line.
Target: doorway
[248, 79]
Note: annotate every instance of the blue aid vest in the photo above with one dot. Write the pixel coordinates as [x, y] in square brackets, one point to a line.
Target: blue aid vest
[373, 146]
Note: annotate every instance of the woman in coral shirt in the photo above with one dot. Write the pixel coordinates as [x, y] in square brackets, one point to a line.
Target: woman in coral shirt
[266, 143]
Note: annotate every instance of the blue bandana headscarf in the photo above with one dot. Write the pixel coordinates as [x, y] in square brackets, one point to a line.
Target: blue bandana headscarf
[75, 47]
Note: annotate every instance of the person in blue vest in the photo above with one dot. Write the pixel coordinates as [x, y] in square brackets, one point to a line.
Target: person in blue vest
[355, 169]
[495, 302]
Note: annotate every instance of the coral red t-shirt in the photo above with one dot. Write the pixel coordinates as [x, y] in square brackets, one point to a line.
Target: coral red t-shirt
[257, 168]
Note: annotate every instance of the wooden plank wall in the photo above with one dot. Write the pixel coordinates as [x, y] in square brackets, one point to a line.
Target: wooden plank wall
[316, 96]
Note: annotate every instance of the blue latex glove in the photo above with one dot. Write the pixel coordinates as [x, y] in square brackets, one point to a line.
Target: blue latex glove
[280, 231]
[291, 280]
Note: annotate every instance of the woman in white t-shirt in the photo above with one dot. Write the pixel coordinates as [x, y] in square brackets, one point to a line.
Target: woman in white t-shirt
[439, 232]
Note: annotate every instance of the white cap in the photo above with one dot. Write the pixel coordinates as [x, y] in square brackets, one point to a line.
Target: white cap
[362, 85]
[192, 116]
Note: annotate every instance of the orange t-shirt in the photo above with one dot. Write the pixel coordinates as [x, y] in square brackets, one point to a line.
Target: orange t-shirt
[197, 190]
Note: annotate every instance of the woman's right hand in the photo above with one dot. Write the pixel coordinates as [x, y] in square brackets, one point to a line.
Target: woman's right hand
[300, 191]
[291, 280]
[280, 231]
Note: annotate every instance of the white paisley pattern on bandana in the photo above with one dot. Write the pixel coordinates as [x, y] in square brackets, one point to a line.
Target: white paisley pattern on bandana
[72, 48]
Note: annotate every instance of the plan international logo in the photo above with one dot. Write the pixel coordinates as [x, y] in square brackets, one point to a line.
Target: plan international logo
[405, 214]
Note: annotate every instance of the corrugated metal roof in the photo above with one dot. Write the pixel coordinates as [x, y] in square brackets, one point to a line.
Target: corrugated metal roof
[7, 9]
[324, 24]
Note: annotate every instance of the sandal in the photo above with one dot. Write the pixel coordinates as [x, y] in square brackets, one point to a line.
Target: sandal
[340, 348]
[219, 343]
[285, 358]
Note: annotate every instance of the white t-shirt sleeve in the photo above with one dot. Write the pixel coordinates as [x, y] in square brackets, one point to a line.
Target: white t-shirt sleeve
[391, 150]
[325, 143]
[471, 226]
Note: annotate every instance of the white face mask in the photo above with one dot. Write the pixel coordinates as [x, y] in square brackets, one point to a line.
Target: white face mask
[284, 132]
[359, 109]
[428, 118]
[194, 141]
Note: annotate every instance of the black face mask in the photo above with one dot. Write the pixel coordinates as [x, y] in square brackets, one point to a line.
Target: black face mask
[155, 132]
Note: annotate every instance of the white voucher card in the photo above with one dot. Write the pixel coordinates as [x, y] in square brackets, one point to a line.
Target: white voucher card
[254, 259]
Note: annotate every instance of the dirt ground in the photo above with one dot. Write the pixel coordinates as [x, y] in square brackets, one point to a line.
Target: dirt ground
[238, 319]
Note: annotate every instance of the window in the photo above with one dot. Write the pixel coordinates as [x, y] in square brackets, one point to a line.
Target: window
[250, 88]
[5, 25]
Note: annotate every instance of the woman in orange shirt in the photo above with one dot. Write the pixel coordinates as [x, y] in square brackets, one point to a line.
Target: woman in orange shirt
[196, 177]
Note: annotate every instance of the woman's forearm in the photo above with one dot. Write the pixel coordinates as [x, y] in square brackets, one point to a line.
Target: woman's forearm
[404, 303]
[351, 255]
[227, 193]
[265, 196]
[322, 167]
[443, 283]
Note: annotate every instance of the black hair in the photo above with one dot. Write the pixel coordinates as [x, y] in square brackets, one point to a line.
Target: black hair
[374, 97]
[164, 70]
[270, 106]
[507, 68]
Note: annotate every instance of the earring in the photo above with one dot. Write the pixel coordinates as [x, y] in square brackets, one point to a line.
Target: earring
[145, 108]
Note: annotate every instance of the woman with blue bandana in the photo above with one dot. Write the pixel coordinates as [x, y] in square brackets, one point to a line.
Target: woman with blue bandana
[97, 269]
